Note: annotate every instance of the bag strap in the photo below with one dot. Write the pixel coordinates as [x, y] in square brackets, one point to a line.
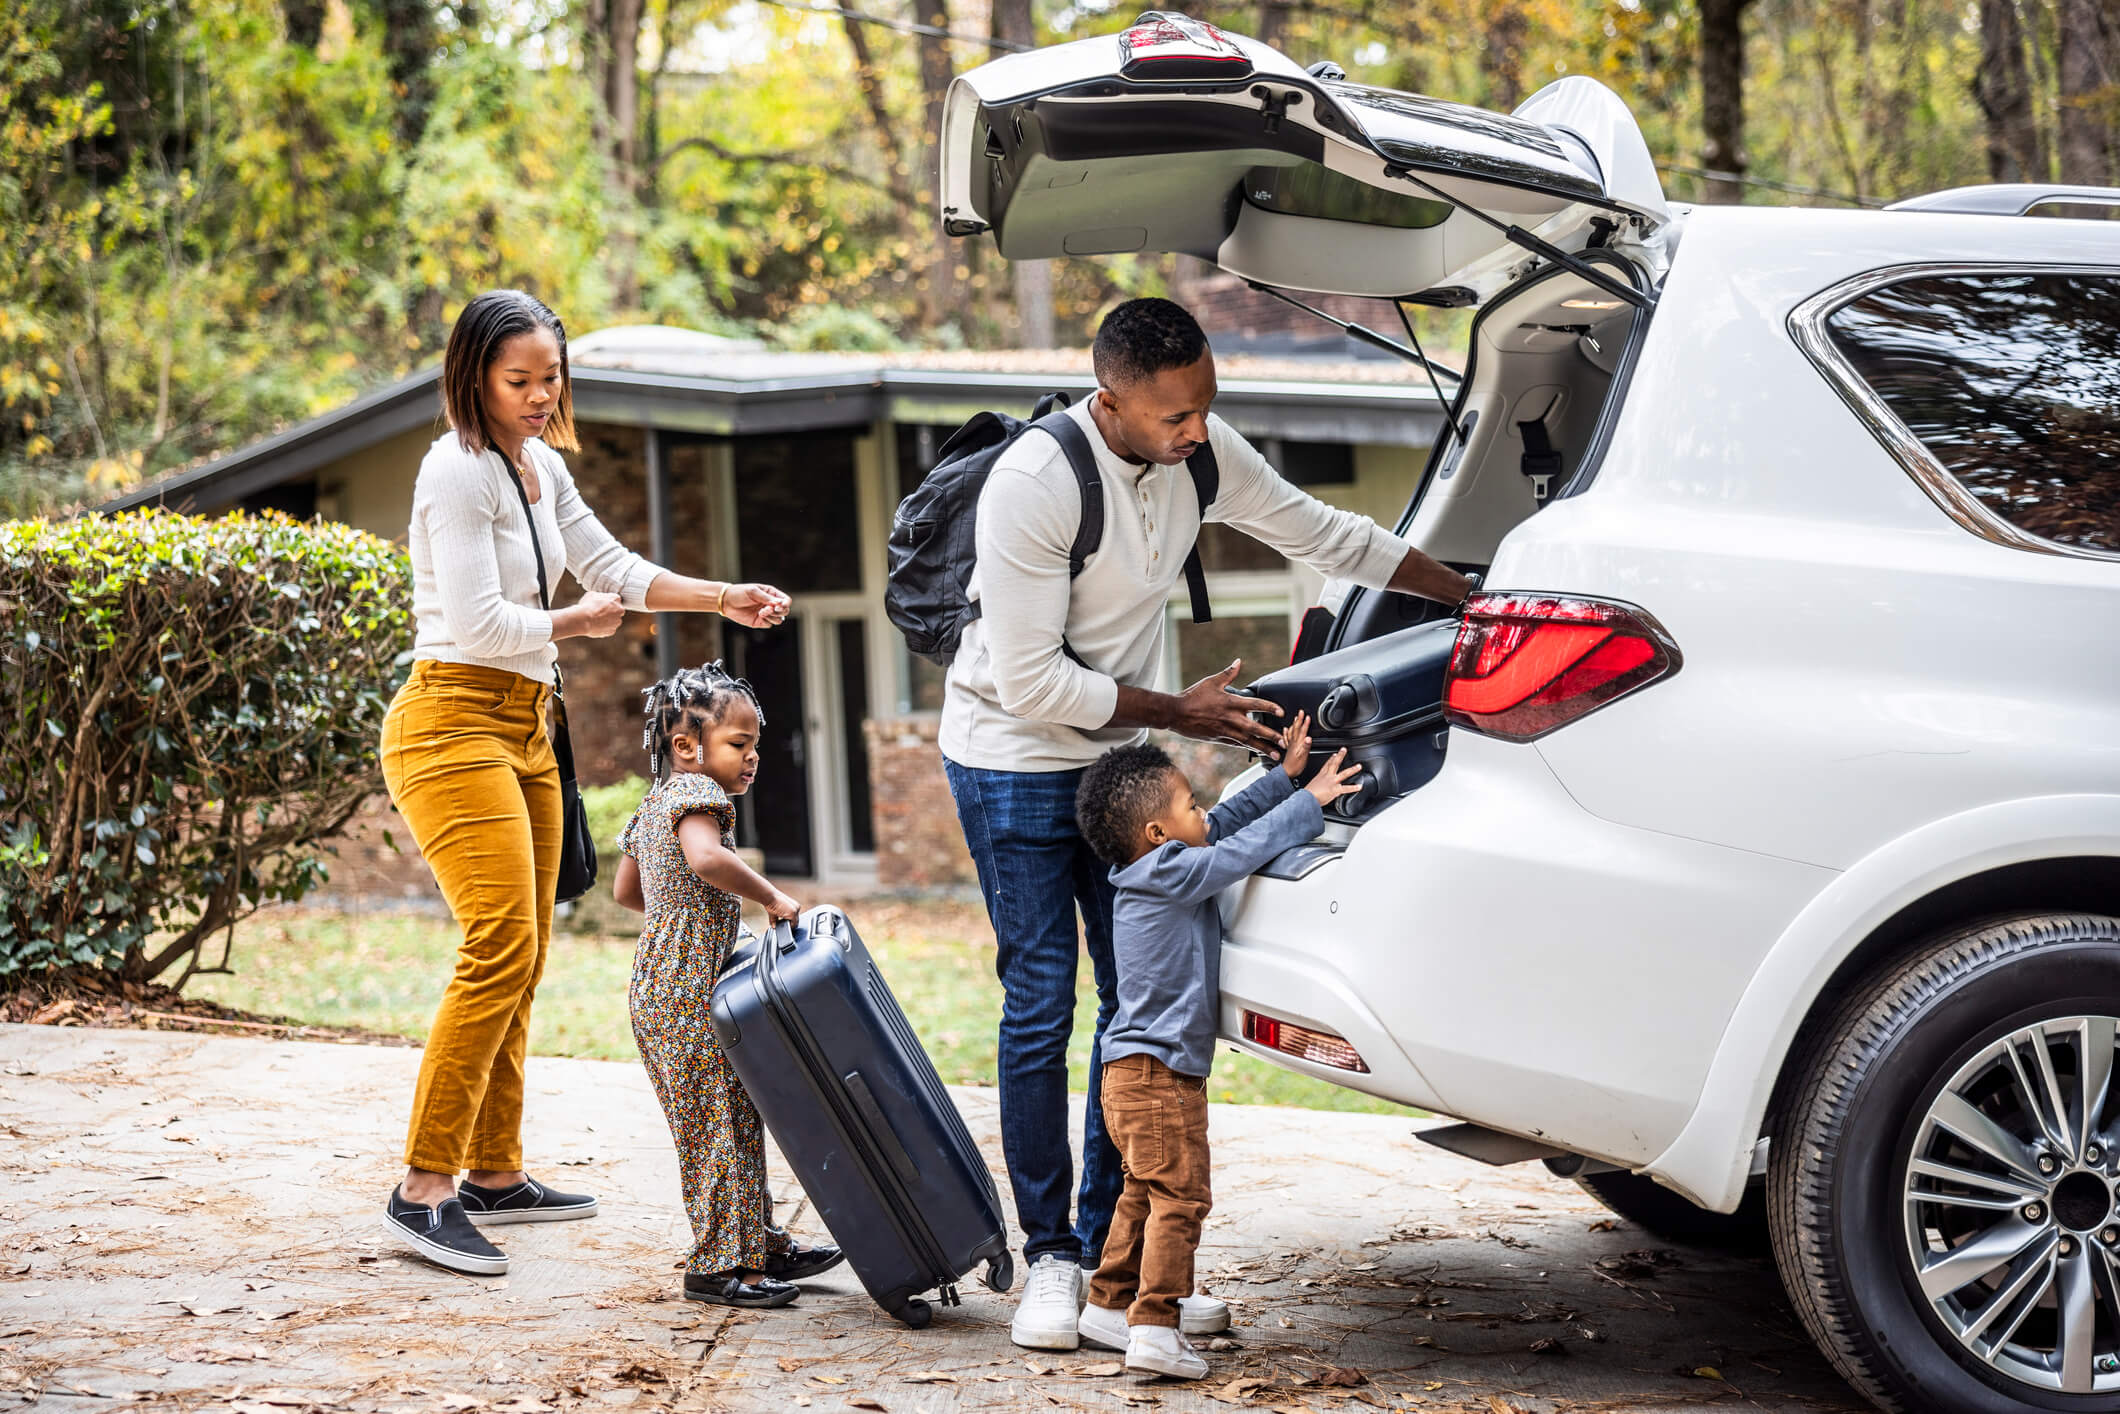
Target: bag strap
[562, 742]
[1207, 483]
[1089, 531]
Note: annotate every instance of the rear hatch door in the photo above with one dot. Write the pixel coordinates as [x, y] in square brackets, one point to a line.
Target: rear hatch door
[1176, 136]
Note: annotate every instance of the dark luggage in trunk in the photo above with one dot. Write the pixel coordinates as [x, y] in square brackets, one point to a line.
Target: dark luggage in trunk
[1382, 700]
[856, 1107]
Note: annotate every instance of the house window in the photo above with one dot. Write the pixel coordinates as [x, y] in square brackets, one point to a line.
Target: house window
[797, 514]
[2008, 379]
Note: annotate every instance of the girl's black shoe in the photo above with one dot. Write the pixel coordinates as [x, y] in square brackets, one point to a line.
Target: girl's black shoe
[730, 1289]
[799, 1262]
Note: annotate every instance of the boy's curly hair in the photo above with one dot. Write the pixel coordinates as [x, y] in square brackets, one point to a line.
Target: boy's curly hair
[1120, 792]
[687, 701]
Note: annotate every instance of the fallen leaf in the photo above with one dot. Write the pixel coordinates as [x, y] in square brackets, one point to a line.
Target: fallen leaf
[638, 1374]
[1708, 1372]
[1223, 1342]
[1102, 1368]
[1498, 1405]
[1037, 1367]
[931, 1377]
[1340, 1378]
[830, 1379]
[1604, 1225]
[1547, 1345]
[1134, 1396]
[802, 1401]
[863, 1402]
[1240, 1389]
[789, 1364]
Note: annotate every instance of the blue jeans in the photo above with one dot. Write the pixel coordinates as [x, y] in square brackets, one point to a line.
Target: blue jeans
[1035, 869]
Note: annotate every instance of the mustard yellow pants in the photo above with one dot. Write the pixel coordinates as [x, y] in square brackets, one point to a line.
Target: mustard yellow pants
[469, 766]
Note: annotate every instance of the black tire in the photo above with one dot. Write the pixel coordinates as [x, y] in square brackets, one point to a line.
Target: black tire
[1000, 1273]
[1860, 1099]
[916, 1314]
[1659, 1211]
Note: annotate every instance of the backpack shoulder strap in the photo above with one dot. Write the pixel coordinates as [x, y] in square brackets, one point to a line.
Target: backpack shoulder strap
[1207, 483]
[1090, 533]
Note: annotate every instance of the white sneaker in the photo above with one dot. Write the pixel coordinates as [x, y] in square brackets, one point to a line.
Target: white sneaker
[1203, 1315]
[1160, 1350]
[1049, 1314]
[1105, 1329]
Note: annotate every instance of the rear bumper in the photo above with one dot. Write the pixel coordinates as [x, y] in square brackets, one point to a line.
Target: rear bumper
[1496, 953]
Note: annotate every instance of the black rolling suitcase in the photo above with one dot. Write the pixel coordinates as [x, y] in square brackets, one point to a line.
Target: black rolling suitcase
[856, 1107]
[1382, 701]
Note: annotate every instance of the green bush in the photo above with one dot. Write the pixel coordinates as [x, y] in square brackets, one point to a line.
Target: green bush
[187, 707]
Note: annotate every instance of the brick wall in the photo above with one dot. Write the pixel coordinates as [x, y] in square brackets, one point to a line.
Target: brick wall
[1234, 314]
[918, 842]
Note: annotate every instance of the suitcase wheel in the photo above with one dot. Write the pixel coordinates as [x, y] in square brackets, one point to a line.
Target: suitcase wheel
[1000, 1273]
[915, 1313]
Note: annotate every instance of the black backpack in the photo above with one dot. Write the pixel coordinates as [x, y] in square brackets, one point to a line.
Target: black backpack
[934, 534]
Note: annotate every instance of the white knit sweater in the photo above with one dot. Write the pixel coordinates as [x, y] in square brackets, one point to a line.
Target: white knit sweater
[474, 577]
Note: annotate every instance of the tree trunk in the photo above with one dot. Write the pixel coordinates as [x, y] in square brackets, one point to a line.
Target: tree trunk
[1722, 97]
[1507, 30]
[305, 21]
[2090, 36]
[1273, 22]
[939, 292]
[1033, 279]
[408, 45]
[2003, 88]
[611, 50]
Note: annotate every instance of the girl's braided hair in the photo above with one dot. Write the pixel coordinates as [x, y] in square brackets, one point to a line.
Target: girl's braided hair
[691, 698]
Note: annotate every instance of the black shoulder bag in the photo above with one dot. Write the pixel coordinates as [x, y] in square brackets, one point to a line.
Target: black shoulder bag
[577, 849]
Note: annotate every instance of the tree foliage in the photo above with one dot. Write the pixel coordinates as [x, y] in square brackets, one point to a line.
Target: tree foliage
[222, 216]
[187, 707]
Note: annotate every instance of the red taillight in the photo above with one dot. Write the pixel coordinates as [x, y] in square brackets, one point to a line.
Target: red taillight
[1164, 45]
[1525, 664]
[1318, 1047]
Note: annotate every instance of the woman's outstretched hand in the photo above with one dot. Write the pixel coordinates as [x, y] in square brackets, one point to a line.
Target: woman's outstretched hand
[754, 605]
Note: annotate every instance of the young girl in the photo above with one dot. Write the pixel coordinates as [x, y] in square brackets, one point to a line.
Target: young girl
[681, 869]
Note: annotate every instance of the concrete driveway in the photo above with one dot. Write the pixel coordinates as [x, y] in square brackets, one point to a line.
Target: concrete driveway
[192, 1222]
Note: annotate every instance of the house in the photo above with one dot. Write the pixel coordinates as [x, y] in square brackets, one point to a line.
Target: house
[720, 459]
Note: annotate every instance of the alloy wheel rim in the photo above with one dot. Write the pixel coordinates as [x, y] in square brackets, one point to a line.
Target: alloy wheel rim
[2012, 1228]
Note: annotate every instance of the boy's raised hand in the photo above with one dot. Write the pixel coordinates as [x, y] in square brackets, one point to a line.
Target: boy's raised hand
[1295, 746]
[1330, 783]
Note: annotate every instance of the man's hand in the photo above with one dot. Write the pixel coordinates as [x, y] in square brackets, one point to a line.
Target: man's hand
[1295, 746]
[1207, 712]
[1330, 783]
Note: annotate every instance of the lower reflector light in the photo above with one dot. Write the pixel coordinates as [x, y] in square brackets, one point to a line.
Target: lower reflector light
[1302, 1042]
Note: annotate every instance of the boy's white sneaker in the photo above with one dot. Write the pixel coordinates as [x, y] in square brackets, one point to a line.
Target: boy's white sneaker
[1049, 1314]
[1203, 1315]
[1105, 1329]
[1197, 1315]
[1161, 1350]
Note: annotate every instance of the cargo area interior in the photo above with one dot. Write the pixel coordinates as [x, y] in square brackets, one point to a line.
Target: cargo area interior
[1541, 374]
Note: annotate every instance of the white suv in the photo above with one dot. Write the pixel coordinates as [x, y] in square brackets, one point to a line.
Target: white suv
[1773, 839]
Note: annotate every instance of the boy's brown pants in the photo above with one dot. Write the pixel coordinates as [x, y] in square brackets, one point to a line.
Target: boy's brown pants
[1158, 1120]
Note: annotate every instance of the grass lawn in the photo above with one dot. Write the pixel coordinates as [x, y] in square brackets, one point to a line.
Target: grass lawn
[384, 972]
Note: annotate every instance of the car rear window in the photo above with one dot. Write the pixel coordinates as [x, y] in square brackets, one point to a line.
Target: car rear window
[2011, 380]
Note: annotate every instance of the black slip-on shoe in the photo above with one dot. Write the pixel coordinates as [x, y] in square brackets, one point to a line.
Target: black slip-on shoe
[730, 1289]
[527, 1202]
[444, 1236]
[799, 1262]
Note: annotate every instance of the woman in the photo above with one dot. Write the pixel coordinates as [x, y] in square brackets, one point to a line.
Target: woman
[467, 759]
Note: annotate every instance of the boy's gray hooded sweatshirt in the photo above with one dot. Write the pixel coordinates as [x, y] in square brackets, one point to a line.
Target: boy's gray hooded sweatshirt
[1167, 932]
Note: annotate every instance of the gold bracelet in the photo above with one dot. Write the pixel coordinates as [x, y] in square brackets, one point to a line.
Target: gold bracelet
[721, 596]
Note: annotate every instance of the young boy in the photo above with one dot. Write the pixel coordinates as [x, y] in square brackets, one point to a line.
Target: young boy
[1169, 859]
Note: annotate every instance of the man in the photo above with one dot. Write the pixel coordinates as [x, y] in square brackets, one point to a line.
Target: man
[1056, 670]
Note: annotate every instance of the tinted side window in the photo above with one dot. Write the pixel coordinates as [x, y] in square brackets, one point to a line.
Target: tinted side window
[2012, 382]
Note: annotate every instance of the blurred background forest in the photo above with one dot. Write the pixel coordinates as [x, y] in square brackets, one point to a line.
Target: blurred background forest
[222, 216]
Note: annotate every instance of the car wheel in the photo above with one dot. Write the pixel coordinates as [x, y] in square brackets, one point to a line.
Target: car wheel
[1657, 1210]
[1941, 1183]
